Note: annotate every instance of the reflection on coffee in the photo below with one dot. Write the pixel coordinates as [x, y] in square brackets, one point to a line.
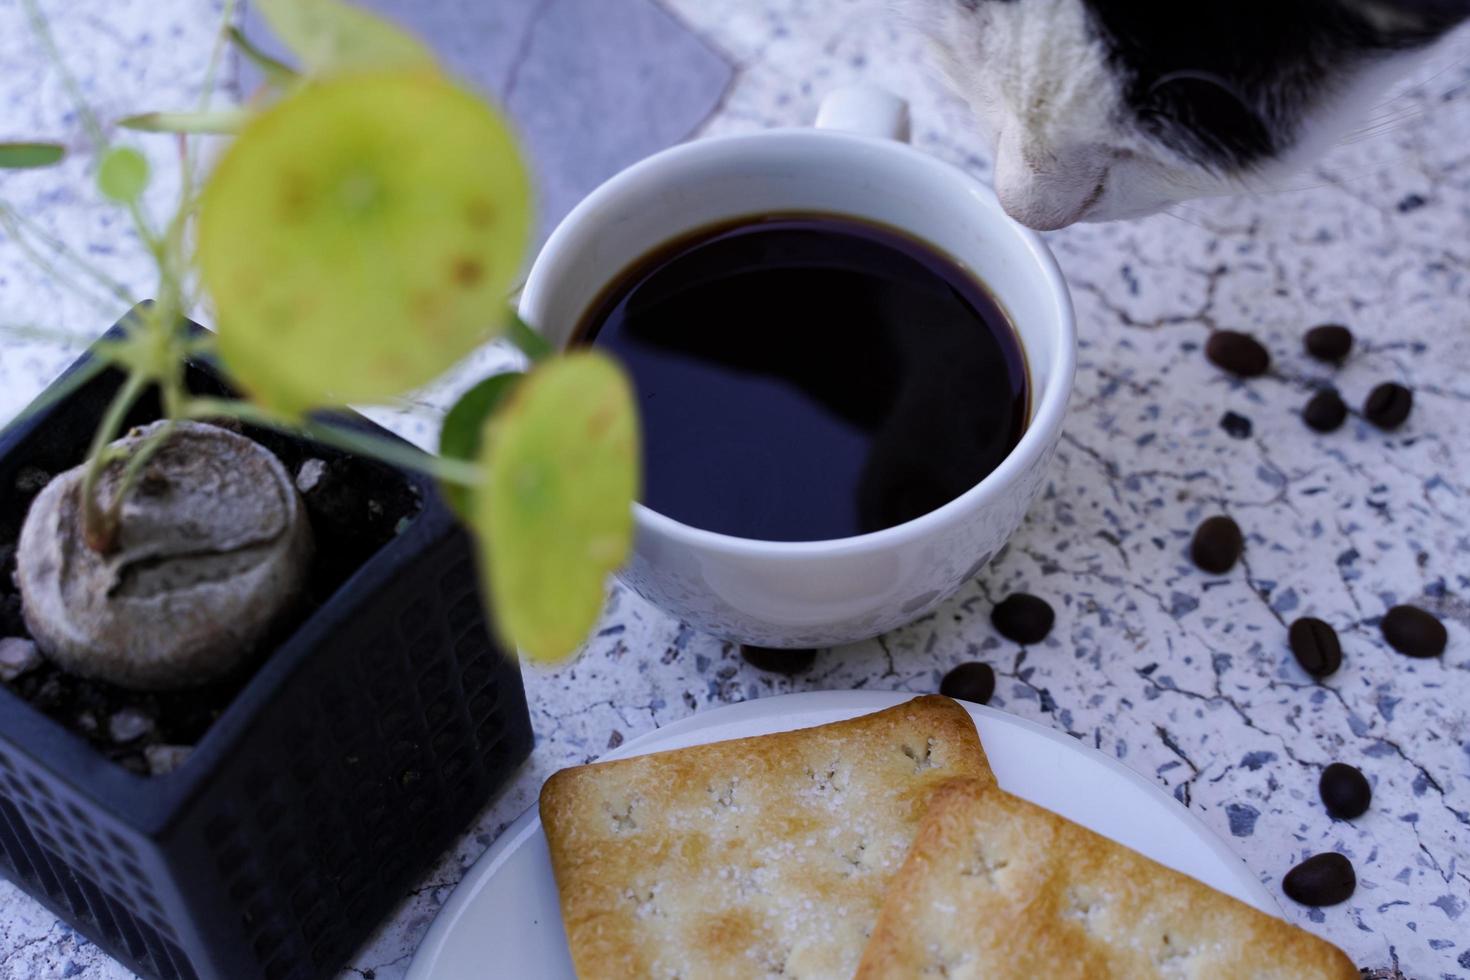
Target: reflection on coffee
[808, 377]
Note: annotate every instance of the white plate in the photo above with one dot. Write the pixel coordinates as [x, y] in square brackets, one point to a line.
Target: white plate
[504, 920]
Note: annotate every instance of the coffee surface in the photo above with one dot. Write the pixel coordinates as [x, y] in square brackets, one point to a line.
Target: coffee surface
[805, 378]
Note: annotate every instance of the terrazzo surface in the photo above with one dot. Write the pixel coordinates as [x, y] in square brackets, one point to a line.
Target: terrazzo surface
[1184, 676]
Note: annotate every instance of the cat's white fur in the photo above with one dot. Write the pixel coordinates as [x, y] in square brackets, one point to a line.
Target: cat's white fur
[1065, 150]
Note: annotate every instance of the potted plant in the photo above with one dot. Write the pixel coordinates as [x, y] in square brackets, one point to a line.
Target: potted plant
[248, 684]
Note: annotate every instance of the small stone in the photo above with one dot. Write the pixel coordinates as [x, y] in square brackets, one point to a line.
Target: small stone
[86, 722]
[31, 480]
[1345, 791]
[17, 656]
[1388, 405]
[1414, 632]
[1238, 353]
[1315, 645]
[1411, 202]
[1217, 545]
[1325, 412]
[1236, 426]
[128, 725]
[1023, 618]
[1329, 342]
[310, 475]
[778, 661]
[973, 681]
[1323, 879]
[164, 759]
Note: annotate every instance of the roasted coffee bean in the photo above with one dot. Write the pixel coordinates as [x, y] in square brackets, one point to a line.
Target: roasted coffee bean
[971, 681]
[1322, 879]
[1414, 632]
[1217, 544]
[1326, 411]
[1239, 353]
[1236, 426]
[778, 661]
[1315, 646]
[1388, 405]
[1023, 618]
[1345, 791]
[1329, 342]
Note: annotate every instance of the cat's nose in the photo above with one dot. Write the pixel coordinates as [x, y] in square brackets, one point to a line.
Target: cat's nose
[1044, 188]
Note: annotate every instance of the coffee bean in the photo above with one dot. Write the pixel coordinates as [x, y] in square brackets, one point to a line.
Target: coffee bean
[1326, 411]
[1414, 632]
[1322, 879]
[1315, 646]
[971, 681]
[1217, 544]
[1388, 405]
[1023, 618]
[1329, 342]
[1236, 426]
[1345, 791]
[778, 661]
[1239, 353]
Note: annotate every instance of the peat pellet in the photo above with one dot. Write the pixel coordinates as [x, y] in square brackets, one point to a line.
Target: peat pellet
[1314, 644]
[1217, 544]
[1239, 353]
[1388, 405]
[1328, 342]
[778, 661]
[1023, 618]
[1322, 879]
[971, 681]
[1414, 632]
[1345, 791]
[1325, 412]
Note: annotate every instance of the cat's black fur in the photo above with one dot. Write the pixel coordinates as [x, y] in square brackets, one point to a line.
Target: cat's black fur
[1103, 109]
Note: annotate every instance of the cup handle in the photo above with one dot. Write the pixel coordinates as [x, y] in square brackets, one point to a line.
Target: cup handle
[866, 110]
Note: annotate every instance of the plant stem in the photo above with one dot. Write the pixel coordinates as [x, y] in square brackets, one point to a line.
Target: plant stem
[98, 534]
[42, 31]
[134, 470]
[18, 224]
[524, 336]
[392, 452]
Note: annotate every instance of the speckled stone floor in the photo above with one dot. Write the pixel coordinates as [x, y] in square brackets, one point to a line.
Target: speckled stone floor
[1184, 676]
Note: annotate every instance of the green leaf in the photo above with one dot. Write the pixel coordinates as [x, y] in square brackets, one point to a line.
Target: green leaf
[24, 156]
[360, 236]
[123, 174]
[464, 424]
[220, 121]
[554, 514]
[524, 336]
[330, 36]
[277, 72]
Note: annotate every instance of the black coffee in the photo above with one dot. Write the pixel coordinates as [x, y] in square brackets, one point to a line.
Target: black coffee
[810, 377]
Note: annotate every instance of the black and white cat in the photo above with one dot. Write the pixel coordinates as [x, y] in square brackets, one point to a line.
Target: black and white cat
[1104, 109]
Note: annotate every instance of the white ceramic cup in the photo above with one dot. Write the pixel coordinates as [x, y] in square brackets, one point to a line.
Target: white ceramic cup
[854, 163]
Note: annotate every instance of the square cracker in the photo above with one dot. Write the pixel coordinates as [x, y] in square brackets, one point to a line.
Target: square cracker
[997, 887]
[759, 857]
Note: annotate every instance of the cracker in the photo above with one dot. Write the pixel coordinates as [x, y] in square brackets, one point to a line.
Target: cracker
[760, 857]
[997, 887]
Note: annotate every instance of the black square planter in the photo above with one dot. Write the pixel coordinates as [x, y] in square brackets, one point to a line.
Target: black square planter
[359, 749]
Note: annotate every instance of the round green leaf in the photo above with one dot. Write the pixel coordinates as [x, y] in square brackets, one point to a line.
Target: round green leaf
[555, 512]
[464, 426]
[360, 236]
[23, 156]
[123, 174]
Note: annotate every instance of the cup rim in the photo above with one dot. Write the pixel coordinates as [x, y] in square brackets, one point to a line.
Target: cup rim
[1051, 405]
